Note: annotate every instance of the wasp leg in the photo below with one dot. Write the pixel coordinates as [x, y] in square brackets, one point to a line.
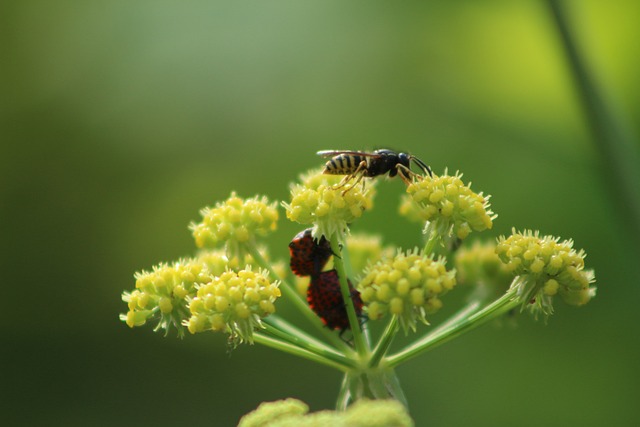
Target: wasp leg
[359, 171]
[360, 176]
[343, 181]
[407, 174]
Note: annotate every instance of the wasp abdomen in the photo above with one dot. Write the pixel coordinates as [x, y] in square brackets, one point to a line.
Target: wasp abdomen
[344, 164]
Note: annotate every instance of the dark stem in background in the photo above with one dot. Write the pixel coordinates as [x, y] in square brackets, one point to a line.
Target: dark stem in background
[617, 148]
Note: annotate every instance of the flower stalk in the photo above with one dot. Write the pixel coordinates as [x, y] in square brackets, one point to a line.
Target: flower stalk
[433, 238]
[385, 341]
[361, 345]
[344, 365]
[456, 328]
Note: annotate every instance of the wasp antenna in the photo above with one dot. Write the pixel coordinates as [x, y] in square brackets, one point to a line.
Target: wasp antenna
[422, 165]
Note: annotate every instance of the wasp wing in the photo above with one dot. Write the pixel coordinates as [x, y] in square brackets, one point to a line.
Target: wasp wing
[333, 153]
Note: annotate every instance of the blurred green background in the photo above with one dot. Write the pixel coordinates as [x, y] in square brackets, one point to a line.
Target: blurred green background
[120, 120]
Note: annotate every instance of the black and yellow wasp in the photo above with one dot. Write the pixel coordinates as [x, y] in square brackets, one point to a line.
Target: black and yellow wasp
[362, 164]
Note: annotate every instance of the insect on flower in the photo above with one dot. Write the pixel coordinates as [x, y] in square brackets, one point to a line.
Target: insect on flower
[362, 164]
[308, 256]
[325, 299]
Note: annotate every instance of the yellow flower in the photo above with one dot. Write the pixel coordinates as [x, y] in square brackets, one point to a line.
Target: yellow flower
[164, 292]
[480, 266]
[546, 267]
[329, 208]
[293, 412]
[407, 285]
[447, 206]
[217, 261]
[272, 412]
[235, 222]
[366, 249]
[233, 302]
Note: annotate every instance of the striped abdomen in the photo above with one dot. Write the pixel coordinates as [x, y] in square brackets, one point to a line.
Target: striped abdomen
[344, 164]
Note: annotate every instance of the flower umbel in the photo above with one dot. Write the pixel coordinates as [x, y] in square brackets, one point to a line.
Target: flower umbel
[232, 284]
[235, 222]
[329, 208]
[164, 292]
[217, 262]
[546, 267]
[292, 412]
[447, 205]
[479, 265]
[233, 302]
[366, 249]
[408, 286]
[269, 413]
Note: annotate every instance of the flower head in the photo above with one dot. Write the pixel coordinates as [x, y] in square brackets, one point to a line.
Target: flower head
[294, 413]
[377, 413]
[546, 267]
[480, 266]
[269, 413]
[233, 302]
[329, 208]
[366, 249]
[235, 222]
[217, 262]
[447, 205]
[164, 292]
[407, 285]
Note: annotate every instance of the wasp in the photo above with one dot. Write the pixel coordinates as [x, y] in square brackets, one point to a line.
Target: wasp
[364, 164]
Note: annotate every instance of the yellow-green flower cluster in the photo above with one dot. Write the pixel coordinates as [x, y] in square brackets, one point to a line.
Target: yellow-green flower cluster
[294, 413]
[447, 205]
[233, 302]
[217, 262]
[329, 207]
[408, 286]
[364, 249]
[269, 413]
[480, 265]
[546, 267]
[235, 222]
[163, 292]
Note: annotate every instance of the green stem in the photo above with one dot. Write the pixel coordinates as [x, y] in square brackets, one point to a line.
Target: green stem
[288, 328]
[432, 240]
[297, 300]
[385, 342]
[371, 383]
[343, 394]
[349, 273]
[618, 147]
[441, 335]
[297, 351]
[358, 337]
[320, 351]
[465, 312]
